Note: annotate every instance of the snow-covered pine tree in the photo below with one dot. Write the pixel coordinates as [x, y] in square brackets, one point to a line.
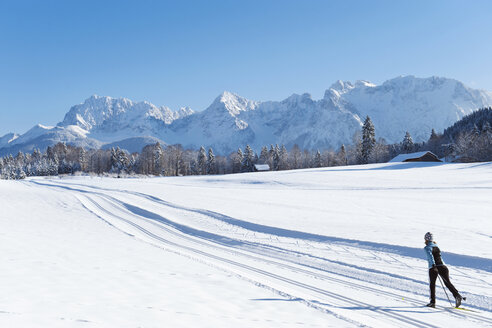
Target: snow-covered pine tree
[276, 158]
[158, 159]
[123, 159]
[53, 166]
[202, 161]
[464, 145]
[2, 167]
[7, 170]
[36, 155]
[271, 154]
[342, 156]
[475, 130]
[317, 159]
[483, 146]
[83, 160]
[368, 140]
[133, 162]
[487, 140]
[60, 150]
[433, 135]
[49, 153]
[39, 167]
[486, 128]
[19, 158]
[283, 159]
[237, 161]
[248, 160]
[407, 145]
[263, 155]
[211, 164]
[114, 161]
[53, 160]
[434, 143]
[19, 172]
[119, 160]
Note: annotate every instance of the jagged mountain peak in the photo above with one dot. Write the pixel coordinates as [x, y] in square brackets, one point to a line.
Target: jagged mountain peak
[95, 97]
[341, 86]
[231, 103]
[227, 95]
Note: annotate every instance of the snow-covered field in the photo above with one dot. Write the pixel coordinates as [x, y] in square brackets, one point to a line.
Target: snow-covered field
[329, 247]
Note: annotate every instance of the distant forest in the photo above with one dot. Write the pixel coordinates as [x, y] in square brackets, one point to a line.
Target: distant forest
[468, 140]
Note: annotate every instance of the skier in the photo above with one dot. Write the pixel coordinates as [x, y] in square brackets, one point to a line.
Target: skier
[437, 267]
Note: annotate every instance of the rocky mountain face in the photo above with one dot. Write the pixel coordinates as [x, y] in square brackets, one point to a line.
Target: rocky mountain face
[398, 105]
[106, 117]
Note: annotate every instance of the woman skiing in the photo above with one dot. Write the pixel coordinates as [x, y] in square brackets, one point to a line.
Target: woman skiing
[437, 267]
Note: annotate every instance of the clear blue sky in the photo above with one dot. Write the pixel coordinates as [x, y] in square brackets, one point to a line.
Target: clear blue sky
[54, 54]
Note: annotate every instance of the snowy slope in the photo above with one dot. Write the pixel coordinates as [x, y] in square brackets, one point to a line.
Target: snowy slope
[328, 247]
[8, 138]
[398, 105]
[42, 136]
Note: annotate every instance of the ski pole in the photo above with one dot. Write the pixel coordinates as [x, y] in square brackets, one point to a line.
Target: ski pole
[445, 290]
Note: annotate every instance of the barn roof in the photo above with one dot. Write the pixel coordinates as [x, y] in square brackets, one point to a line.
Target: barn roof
[262, 167]
[404, 157]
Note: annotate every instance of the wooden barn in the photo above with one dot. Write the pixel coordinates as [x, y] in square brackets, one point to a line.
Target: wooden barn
[422, 156]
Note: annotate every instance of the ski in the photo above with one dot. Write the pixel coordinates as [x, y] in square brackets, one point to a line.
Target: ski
[464, 309]
[452, 308]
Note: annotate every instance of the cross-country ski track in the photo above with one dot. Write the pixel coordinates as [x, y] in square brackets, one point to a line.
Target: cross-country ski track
[350, 282]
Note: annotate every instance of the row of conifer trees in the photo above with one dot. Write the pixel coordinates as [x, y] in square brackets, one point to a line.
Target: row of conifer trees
[173, 160]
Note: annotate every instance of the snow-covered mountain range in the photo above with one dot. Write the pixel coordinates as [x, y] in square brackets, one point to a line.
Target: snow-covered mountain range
[401, 104]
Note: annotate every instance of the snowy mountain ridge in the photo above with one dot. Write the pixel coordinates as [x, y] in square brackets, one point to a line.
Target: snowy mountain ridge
[405, 103]
[105, 114]
[8, 138]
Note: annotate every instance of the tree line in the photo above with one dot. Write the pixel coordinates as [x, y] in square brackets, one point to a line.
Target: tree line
[465, 139]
